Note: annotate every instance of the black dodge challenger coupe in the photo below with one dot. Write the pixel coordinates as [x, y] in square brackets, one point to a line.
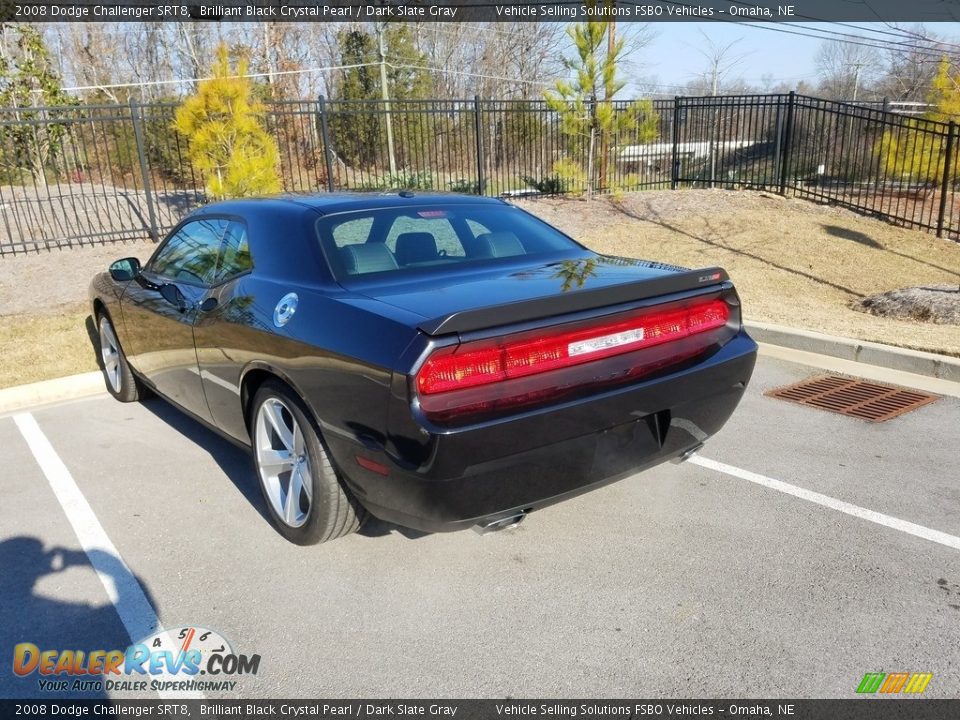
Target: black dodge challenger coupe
[440, 361]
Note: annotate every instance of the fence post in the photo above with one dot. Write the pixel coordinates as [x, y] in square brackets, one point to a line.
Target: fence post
[478, 129]
[945, 182]
[325, 138]
[144, 172]
[777, 146]
[675, 154]
[787, 143]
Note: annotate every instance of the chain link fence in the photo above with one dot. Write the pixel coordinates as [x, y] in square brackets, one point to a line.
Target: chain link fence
[101, 173]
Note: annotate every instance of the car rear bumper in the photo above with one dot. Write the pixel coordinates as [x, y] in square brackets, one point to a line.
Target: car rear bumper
[470, 476]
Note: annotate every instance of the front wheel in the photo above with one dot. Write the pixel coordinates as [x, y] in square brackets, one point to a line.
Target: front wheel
[121, 381]
[307, 501]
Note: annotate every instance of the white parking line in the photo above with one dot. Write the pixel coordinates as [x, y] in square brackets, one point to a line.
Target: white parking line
[889, 521]
[136, 613]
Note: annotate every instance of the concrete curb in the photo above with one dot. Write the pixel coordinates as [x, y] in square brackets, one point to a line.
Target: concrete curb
[943, 367]
[23, 397]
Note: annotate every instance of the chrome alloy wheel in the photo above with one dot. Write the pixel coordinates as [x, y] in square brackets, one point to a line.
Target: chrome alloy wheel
[283, 462]
[110, 353]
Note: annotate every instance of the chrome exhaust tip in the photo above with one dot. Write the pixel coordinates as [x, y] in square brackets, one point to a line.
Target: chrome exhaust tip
[687, 454]
[503, 523]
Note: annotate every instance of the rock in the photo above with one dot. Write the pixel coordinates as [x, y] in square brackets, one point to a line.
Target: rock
[938, 304]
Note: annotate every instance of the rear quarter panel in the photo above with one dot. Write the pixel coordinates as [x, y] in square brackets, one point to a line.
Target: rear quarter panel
[337, 354]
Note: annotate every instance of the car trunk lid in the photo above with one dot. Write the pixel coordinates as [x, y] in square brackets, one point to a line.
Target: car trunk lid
[492, 297]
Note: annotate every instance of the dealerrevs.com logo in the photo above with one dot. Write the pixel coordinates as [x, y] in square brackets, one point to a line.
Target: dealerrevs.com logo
[169, 660]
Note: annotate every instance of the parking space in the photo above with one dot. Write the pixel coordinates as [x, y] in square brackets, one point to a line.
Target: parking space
[682, 581]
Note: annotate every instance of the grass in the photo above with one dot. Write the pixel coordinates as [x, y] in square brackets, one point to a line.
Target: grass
[45, 346]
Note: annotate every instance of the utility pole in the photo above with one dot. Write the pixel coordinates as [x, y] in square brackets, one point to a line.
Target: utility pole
[856, 79]
[716, 120]
[268, 58]
[385, 94]
[607, 99]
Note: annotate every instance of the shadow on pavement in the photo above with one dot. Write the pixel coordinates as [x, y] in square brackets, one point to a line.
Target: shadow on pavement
[53, 624]
[237, 465]
[233, 460]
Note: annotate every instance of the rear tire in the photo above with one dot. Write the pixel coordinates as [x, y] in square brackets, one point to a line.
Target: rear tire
[120, 380]
[307, 501]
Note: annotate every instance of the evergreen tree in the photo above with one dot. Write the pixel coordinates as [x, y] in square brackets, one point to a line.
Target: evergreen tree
[355, 128]
[359, 135]
[585, 104]
[228, 144]
[28, 80]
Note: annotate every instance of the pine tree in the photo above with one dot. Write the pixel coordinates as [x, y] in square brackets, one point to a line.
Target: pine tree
[358, 130]
[585, 104]
[28, 80]
[228, 144]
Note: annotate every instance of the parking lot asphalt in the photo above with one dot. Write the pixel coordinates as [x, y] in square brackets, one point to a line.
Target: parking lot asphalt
[683, 581]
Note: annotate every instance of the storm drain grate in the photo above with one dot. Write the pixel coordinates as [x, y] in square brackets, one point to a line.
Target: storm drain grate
[856, 398]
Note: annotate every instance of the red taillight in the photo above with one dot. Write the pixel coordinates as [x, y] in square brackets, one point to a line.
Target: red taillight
[485, 362]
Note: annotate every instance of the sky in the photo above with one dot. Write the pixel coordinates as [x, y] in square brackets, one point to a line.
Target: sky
[674, 55]
[675, 58]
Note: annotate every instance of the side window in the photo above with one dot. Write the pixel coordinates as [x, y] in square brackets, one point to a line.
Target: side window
[234, 254]
[190, 256]
[352, 232]
[442, 231]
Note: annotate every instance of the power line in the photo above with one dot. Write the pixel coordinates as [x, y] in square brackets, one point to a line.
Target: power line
[928, 53]
[464, 72]
[228, 77]
[906, 45]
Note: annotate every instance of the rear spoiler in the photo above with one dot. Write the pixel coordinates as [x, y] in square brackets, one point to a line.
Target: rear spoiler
[571, 302]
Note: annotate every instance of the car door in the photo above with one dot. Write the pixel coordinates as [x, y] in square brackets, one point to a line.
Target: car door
[160, 309]
[226, 329]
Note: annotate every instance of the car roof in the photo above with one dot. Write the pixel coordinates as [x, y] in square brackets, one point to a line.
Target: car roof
[325, 203]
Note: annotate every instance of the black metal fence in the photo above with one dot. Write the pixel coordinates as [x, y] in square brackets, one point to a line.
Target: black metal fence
[80, 175]
[901, 168]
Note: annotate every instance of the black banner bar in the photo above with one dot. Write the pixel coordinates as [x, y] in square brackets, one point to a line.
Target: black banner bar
[775, 11]
[854, 709]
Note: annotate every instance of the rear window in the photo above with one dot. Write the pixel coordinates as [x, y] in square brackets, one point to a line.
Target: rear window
[426, 239]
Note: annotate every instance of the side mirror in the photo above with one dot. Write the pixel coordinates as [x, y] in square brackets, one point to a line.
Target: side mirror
[125, 269]
[171, 293]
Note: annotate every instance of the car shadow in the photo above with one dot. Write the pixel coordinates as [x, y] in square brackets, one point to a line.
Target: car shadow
[29, 615]
[238, 467]
[93, 335]
[232, 459]
[374, 527]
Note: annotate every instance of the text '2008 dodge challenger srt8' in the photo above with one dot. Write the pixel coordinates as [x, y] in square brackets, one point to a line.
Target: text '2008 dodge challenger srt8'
[439, 361]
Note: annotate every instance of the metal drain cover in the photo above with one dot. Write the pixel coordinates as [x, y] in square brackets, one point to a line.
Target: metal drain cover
[856, 398]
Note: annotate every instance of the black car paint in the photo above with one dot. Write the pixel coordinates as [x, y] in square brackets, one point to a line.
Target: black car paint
[358, 384]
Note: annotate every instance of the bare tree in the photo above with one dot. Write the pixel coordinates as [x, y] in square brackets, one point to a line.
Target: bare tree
[497, 60]
[722, 60]
[911, 67]
[848, 71]
[89, 50]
